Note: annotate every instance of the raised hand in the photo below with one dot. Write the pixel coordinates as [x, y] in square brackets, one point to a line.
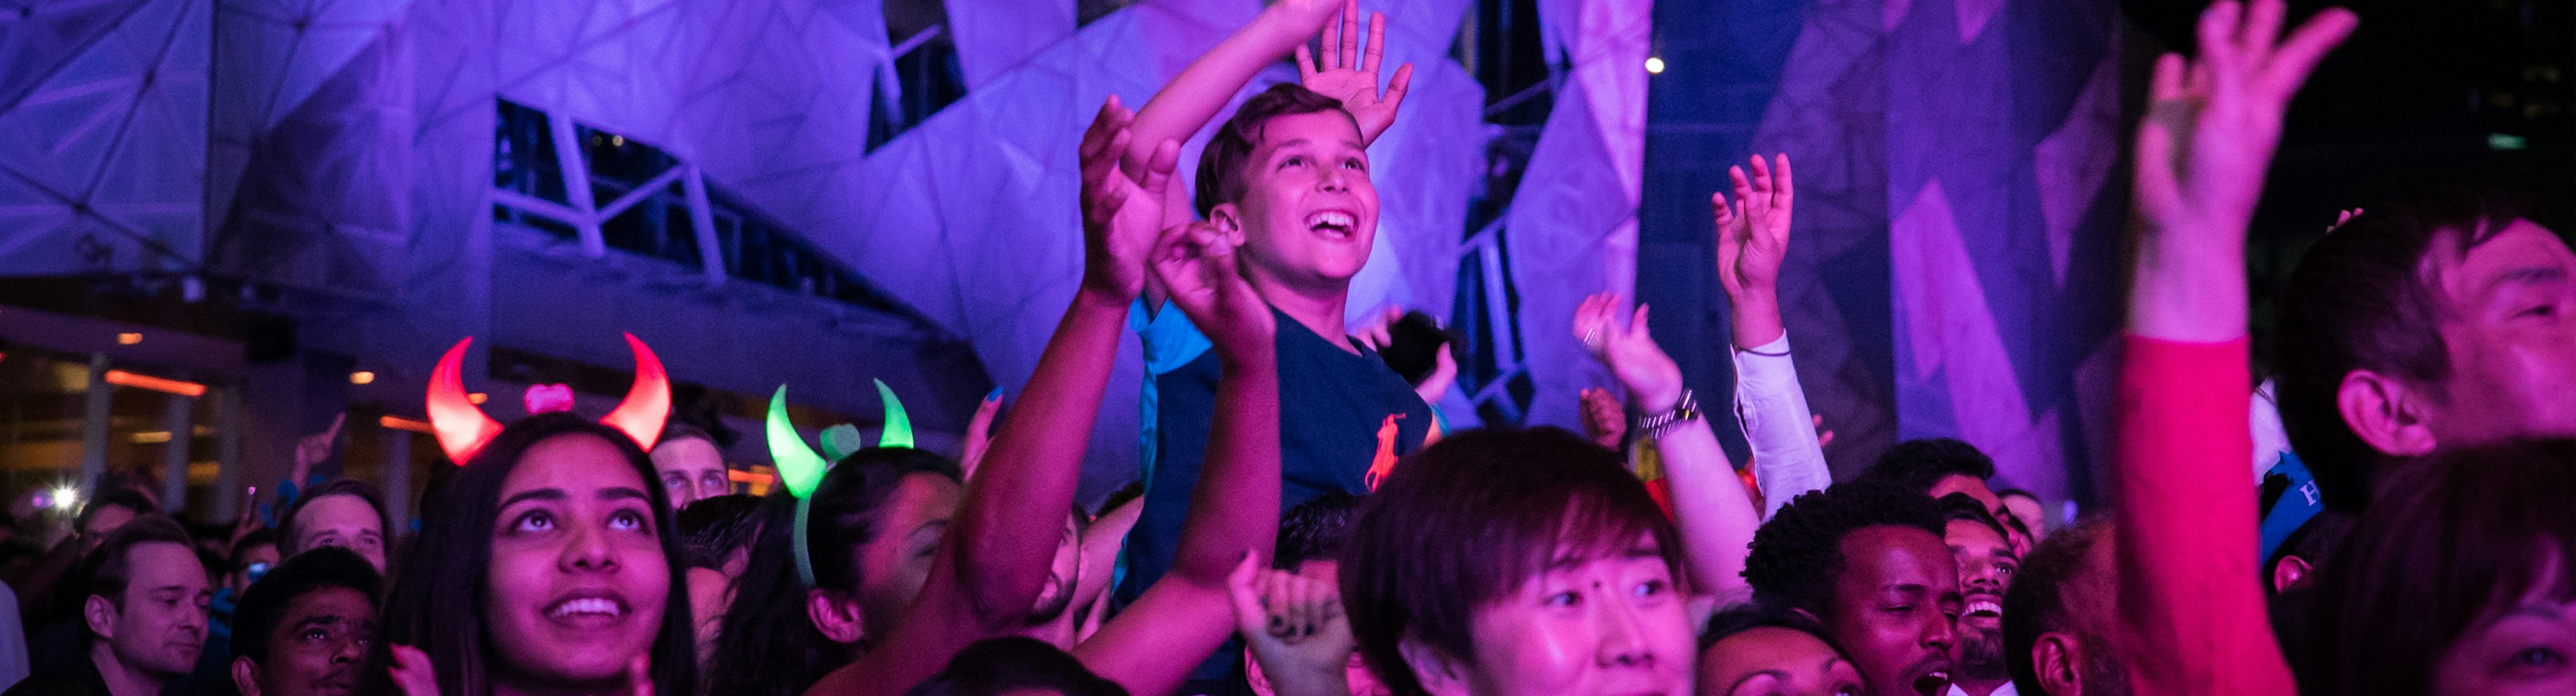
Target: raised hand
[1752, 241]
[1120, 215]
[1349, 73]
[2212, 123]
[979, 433]
[2211, 126]
[1295, 627]
[1197, 265]
[1653, 380]
[1605, 420]
[313, 449]
[2343, 217]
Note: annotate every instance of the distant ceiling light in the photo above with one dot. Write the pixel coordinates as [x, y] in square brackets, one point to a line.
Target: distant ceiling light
[1655, 65]
[152, 437]
[617, 140]
[160, 384]
[127, 339]
[66, 497]
[2500, 141]
[401, 423]
[362, 377]
[478, 397]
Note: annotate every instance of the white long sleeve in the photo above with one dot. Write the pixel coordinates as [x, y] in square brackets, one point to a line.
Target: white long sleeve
[1787, 459]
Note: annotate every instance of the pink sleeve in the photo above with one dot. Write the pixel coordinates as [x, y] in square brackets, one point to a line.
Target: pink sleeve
[2193, 617]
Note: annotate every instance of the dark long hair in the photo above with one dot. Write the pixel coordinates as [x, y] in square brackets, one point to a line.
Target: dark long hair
[2448, 542]
[434, 610]
[768, 645]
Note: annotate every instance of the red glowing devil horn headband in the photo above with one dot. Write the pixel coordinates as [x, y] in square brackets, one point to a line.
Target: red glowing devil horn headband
[463, 429]
[461, 426]
[648, 404]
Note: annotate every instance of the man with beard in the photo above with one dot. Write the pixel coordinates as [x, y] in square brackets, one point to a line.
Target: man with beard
[145, 615]
[1867, 561]
[305, 629]
[2059, 614]
[1986, 565]
[1048, 619]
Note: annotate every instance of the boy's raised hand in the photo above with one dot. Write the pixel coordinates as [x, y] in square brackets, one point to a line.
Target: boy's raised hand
[1120, 215]
[1350, 73]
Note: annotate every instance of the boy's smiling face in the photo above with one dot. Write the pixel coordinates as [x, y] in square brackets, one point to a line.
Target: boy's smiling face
[1308, 212]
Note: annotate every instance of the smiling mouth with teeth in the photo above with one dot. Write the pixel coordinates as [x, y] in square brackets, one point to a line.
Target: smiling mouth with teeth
[587, 606]
[1333, 221]
[1933, 683]
[1985, 608]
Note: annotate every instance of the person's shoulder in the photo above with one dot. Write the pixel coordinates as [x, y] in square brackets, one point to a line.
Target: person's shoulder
[60, 682]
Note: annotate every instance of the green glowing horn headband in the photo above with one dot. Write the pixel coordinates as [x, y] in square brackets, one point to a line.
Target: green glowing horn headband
[800, 469]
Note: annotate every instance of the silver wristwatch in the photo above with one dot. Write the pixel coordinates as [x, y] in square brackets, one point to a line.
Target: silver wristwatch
[1686, 411]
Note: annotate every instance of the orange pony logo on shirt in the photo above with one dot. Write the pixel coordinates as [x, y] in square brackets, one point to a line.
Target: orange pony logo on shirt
[1384, 462]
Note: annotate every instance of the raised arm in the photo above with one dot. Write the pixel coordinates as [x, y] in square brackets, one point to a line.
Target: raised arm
[1752, 241]
[2191, 621]
[1151, 647]
[1716, 518]
[993, 561]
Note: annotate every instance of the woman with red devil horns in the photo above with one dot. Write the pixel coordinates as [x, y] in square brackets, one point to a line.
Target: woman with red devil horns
[546, 566]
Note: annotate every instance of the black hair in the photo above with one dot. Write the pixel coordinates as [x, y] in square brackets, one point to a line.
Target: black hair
[1746, 616]
[1131, 491]
[768, 645]
[1918, 465]
[2454, 539]
[264, 604]
[292, 536]
[996, 666]
[127, 498]
[1222, 165]
[2036, 602]
[108, 569]
[721, 526]
[1472, 518]
[1958, 507]
[1314, 529]
[2362, 299]
[1797, 556]
[256, 537]
[431, 609]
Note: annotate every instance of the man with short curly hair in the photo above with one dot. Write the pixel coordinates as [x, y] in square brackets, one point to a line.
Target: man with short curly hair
[1867, 560]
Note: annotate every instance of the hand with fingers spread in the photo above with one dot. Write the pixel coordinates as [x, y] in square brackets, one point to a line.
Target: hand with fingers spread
[1752, 242]
[1196, 263]
[1120, 214]
[1349, 72]
[412, 672]
[2343, 217]
[1653, 380]
[1295, 627]
[2212, 122]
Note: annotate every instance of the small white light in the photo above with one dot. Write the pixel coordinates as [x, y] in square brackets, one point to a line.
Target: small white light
[1655, 65]
[65, 497]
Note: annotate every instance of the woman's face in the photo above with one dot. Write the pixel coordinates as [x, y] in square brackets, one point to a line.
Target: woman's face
[1772, 661]
[2527, 647]
[577, 584]
[1607, 625]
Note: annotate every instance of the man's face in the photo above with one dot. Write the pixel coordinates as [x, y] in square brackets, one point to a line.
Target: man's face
[160, 625]
[1894, 605]
[1309, 211]
[893, 566]
[1976, 488]
[346, 521]
[319, 645]
[2091, 595]
[1057, 594]
[1774, 661]
[691, 470]
[1609, 625]
[2510, 327]
[254, 560]
[1986, 566]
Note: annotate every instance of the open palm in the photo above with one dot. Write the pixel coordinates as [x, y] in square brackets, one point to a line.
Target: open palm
[1350, 73]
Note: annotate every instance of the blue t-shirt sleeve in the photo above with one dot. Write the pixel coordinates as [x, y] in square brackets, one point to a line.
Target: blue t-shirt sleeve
[1171, 341]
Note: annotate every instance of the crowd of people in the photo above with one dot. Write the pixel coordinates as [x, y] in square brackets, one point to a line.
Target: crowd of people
[1304, 525]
